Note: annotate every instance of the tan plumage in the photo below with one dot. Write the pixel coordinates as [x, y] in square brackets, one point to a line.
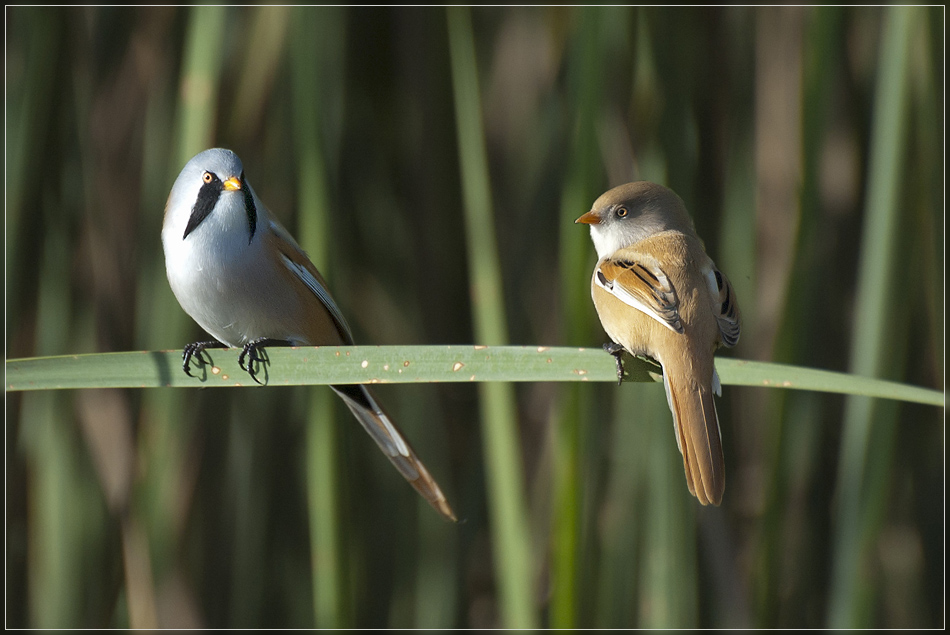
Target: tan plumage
[239, 274]
[658, 294]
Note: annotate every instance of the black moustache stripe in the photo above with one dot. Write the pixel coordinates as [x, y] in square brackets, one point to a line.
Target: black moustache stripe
[250, 208]
[208, 197]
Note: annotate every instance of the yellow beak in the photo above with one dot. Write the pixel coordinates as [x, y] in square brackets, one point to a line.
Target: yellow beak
[232, 184]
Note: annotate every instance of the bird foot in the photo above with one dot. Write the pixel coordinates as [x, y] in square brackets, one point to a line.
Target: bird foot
[617, 351]
[195, 351]
[253, 357]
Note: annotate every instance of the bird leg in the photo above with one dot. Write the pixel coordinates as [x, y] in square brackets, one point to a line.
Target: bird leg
[255, 355]
[617, 351]
[195, 351]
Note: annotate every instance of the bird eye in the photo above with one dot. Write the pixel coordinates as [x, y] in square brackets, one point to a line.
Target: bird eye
[207, 177]
[621, 212]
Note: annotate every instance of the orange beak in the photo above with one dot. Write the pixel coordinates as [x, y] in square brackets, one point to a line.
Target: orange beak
[590, 218]
[233, 184]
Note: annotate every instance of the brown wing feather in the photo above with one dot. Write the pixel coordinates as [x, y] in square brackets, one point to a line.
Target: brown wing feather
[300, 265]
[642, 285]
[357, 397]
[728, 310]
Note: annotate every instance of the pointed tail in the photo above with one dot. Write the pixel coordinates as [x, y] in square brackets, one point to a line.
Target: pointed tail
[697, 435]
[391, 441]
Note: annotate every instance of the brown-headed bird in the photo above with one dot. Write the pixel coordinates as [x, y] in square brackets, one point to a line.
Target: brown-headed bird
[658, 294]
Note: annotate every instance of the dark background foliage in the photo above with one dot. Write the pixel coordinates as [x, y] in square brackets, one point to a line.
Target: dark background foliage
[798, 150]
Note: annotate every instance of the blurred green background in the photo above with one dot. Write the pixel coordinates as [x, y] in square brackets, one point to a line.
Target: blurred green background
[432, 162]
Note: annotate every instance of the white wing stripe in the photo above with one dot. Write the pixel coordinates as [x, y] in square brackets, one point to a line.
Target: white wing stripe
[621, 294]
[314, 285]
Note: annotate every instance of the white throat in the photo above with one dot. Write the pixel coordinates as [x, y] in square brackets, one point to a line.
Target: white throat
[605, 242]
[611, 237]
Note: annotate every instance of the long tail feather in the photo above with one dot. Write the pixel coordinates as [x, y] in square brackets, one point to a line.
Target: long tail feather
[697, 436]
[391, 441]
